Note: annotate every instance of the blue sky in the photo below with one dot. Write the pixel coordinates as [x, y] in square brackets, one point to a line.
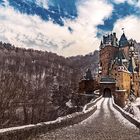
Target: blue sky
[67, 27]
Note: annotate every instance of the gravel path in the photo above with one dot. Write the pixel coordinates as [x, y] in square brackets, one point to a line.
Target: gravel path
[105, 124]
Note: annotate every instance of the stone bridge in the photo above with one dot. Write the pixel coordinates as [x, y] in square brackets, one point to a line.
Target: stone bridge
[103, 120]
[105, 124]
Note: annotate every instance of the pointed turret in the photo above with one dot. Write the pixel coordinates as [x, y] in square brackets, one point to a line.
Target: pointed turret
[132, 65]
[120, 62]
[101, 45]
[114, 40]
[123, 41]
[88, 75]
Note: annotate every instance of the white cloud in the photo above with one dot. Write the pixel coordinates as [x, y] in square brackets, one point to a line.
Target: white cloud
[119, 1]
[42, 3]
[132, 2]
[131, 25]
[32, 32]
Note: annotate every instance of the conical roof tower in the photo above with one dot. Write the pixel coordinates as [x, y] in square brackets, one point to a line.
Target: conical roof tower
[123, 41]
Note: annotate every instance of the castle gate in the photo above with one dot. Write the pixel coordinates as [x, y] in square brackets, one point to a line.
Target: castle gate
[107, 86]
[107, 92]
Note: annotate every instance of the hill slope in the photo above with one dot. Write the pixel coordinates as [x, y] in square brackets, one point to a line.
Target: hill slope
[36, 85]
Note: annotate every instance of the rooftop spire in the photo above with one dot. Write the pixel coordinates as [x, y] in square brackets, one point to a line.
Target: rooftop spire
[132, 65]
[123, 40]
[123, 30]
[88, 75]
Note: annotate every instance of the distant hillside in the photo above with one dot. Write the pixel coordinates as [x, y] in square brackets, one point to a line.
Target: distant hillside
[36, 85]
[90, 61]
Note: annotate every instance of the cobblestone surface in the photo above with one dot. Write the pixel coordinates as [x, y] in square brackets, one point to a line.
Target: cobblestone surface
[105, 124]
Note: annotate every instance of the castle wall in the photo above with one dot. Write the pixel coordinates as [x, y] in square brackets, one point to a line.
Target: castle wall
[125, 82]
[106, 54]
[110, 86]
[119, 97]
[122, 80]
[136, 83]
[88, 86]
[126, 51]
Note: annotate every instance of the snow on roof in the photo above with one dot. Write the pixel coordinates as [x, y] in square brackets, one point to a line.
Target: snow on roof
[107, 82]
[121, 90]
[15, 128]
[69, 104]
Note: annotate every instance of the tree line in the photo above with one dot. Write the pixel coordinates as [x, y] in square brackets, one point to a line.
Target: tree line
[37, 86]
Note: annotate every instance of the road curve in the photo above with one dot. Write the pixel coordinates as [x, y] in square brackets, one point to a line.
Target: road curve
[105, 124]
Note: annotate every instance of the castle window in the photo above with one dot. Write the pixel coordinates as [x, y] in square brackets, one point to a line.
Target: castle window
[101, 64]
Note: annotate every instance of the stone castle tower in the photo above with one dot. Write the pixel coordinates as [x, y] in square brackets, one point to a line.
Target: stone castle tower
[108, 49]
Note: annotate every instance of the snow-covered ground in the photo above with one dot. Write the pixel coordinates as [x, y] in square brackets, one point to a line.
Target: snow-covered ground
[105, 124]
[136, 108]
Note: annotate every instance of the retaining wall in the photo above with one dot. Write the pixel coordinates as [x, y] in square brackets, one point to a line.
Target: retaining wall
[127, 115]
[87, 106]
[29, 131]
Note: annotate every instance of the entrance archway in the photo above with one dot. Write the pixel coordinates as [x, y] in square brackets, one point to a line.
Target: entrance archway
[107, 92]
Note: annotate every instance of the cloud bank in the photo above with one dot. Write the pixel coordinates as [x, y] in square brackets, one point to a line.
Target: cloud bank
[77, 36]
[132, 2]
[131, 25]
[29, 31]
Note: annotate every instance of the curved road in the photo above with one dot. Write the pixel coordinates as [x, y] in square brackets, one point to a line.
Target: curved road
[105, 124]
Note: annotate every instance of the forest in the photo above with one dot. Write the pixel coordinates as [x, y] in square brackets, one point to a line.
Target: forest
[37, 86]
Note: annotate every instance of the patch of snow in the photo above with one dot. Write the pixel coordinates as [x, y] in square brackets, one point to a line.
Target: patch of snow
[96, 114]
[136, 112]
[69, 104]
[120, 90]
[15, 128]
[121, 118]
[137, 102]
[107, 82]
[106, 109]
[136, 109]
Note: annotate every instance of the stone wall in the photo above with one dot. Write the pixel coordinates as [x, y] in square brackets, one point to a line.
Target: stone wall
[29, 131]
[110, 86]
[106, 54]
[119, 97]
[88, 86]
[86, 107]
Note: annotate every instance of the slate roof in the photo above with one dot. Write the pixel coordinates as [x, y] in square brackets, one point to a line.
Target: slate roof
[123, 41]
[119, 57]
[107, 80]
[120, 60]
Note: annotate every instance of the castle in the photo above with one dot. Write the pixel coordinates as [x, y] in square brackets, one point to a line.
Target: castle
[119, 70]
